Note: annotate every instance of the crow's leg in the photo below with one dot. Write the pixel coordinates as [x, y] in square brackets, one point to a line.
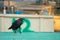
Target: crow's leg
[14, 31]
[19, 29]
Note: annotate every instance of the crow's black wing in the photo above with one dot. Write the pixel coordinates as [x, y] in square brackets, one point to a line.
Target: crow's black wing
[16, 24]
[13, 25]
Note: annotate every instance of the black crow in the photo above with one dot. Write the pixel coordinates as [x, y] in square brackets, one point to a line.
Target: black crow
[17, 24]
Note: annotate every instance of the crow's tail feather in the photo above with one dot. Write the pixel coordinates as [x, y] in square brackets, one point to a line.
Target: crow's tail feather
[9, 27]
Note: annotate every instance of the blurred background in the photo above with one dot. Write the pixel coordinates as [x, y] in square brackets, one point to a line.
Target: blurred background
[53, 7]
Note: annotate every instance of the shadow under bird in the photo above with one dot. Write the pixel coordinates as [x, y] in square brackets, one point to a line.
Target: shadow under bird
[17, 24]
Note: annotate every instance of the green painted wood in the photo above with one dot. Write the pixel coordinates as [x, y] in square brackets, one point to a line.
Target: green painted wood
[30, 36]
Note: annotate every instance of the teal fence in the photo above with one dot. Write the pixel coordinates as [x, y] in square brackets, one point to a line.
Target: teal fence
[30, 36]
